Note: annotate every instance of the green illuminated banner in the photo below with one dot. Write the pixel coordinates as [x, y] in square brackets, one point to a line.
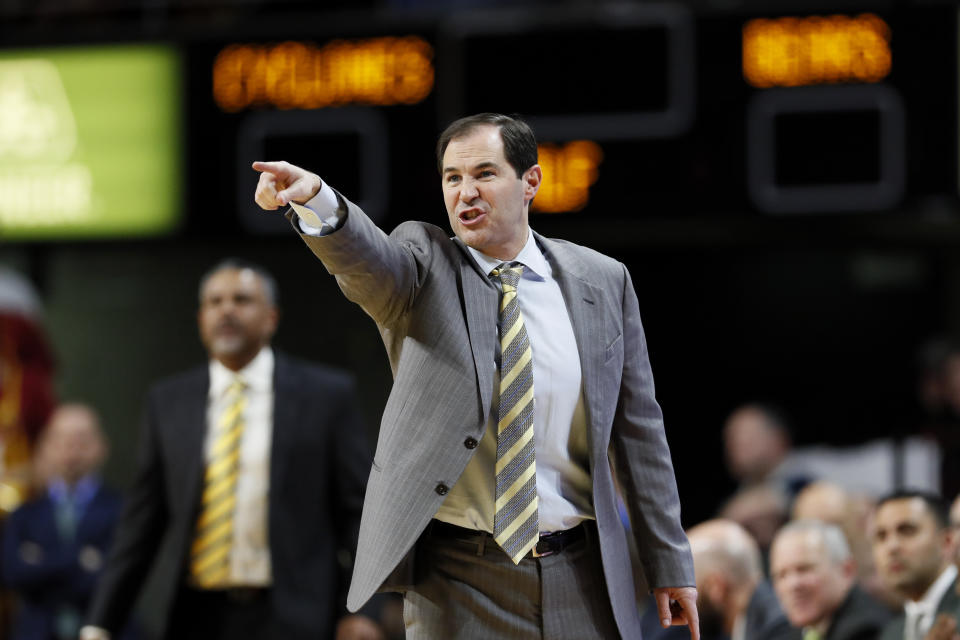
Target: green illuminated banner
[89, 142]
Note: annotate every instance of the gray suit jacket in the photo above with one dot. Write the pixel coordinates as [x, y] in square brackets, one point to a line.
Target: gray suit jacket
[437, 315]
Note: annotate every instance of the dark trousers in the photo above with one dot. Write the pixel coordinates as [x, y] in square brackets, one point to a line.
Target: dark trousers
[224, 615]
[468, 588]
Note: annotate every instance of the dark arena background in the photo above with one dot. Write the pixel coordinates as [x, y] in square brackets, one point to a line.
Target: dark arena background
[780, 178]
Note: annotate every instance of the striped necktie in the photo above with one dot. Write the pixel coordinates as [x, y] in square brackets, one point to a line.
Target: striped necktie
[210, 553]
[516, 526]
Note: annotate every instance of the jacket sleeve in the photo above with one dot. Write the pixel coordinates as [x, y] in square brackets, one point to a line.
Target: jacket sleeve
[380, 273]
[138, 533]
[643, 464]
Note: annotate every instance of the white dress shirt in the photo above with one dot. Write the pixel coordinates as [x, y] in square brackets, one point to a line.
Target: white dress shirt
[919, 615]
[560, 426]
[250, 551]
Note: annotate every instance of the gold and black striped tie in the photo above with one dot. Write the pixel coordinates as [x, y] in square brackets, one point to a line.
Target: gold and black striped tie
[516, 526]
[210, 554]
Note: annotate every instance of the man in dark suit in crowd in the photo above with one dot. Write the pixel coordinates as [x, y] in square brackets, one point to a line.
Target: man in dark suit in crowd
[734, 596]
[55, 544]
[491, 502]
[814, 575]
[734, 601]
[913, 550]
[253, 466]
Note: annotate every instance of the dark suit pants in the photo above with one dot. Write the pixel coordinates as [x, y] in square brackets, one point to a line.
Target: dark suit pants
[468, 588]
[225, 615]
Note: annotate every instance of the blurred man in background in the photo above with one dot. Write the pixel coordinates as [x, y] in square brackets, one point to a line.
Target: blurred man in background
[253, 466]
[27, 398]
[832, 504]
[761, 510]
[757, 445]
[54, 545]
[912, 547]
[813, 573]
[735, 600]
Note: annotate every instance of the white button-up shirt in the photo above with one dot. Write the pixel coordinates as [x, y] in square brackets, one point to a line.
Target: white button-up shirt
[250, 551]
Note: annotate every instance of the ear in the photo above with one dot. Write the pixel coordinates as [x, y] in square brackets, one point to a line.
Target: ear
[273, 321]
[531, 178]
[849, 568]
[715, 588]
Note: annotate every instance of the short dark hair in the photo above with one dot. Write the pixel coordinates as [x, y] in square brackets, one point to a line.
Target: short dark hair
[934, 503]
[269, 282]
[519, 143]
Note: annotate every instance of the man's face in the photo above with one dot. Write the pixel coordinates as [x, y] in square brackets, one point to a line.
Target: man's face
[72, 446]
[909, 549]
[236, 320]
[809, 585]
[753, 448]
[486, 201]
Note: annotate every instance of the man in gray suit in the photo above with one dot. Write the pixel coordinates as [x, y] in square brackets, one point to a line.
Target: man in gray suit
[491, 501]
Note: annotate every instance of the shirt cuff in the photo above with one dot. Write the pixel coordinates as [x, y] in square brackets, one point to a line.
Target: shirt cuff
[94, 633]
[321, 214]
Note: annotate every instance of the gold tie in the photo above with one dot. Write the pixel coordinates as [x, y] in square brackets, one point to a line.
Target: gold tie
[210, 554]
[516, 526]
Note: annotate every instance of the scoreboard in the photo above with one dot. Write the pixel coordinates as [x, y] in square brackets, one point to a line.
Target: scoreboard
[647, 113]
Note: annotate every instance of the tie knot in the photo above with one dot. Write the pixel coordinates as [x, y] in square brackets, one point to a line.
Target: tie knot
[509, 273]
[237, 385]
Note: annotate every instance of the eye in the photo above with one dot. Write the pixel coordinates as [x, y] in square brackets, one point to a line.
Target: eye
[453, 179]
[487, 173]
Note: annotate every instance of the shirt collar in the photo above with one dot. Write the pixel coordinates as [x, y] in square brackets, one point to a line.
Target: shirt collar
[80, 494]
[530, 256]
[931, 599]
[258, 374]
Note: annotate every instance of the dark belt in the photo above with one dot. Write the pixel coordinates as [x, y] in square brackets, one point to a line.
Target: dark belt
[240, 595]
[548, 544]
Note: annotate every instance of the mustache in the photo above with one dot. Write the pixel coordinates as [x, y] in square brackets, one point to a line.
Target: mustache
[226, 324]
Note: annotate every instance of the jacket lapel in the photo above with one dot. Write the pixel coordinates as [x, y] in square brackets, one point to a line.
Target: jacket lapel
[285, 410]
[583, 300]
[190, 424]
[480, 301]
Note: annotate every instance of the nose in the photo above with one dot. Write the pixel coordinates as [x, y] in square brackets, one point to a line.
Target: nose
[468, 190]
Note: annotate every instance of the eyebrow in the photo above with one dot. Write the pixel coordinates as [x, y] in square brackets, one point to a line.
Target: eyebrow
[483, 165]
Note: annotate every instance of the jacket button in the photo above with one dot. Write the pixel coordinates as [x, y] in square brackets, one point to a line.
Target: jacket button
[470, 443]
[441, 489]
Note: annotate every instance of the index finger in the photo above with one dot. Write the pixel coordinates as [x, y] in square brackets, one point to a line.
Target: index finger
[269, 167]
[693, 618]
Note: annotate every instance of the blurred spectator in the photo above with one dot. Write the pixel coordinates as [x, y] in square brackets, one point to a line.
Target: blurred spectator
[26, 389]
[735, 600]
[253, 467]
[913, 553]
[939, 397]
[813, 574]
[54, 545]
[830, 503]
[761, 510]
[756, 444]
[931, 358]
[955, 530]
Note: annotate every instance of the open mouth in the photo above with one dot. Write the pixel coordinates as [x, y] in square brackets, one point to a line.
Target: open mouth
[471, 216]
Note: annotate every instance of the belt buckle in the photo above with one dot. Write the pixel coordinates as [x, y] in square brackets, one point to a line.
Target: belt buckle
[541, 554]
